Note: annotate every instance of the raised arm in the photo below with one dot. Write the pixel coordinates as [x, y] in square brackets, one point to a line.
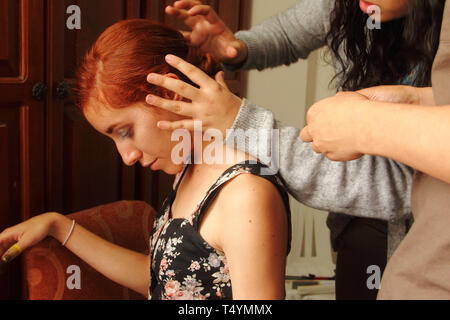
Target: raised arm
[283, 39]
[371, 187]
[287, 37]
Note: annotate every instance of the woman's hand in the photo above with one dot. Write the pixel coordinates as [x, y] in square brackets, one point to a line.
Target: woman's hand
[213, 103]
[15, 239]
[335, 126]
[209, 32]
[400, 94]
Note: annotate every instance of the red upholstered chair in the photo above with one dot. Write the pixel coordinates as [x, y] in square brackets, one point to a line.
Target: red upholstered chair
[45, 266]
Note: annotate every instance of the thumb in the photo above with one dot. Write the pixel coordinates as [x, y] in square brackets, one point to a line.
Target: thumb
[232, 52]
[305, 135]
[220, 78]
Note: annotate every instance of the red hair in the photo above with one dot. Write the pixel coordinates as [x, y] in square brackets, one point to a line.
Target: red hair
[115, 68]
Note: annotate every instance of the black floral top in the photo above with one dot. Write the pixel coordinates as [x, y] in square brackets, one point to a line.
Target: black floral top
[184, 266]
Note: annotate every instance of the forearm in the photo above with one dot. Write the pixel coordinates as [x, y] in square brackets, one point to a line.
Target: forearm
[123, 266]
[372, 187]
[414, 135]
[287, 37]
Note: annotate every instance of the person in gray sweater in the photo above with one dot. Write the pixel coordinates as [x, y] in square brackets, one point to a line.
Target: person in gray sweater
[370, 187]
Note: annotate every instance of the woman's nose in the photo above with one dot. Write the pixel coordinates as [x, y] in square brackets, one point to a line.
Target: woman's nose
[129, 155]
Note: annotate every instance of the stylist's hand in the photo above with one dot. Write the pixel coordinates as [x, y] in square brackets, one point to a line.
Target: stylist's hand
[213, 103]
[208, 31]
[15, 239]
[335, 127]
[400, 94]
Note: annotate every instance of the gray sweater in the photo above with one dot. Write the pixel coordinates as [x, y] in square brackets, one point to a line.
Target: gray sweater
[371, 187]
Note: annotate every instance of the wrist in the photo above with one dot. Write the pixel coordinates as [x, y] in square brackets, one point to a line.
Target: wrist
[59, 225]
[425, 96]
[366, 133]
[242, 52]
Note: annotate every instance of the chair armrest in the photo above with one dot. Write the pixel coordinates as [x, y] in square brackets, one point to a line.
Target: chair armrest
[45, 266]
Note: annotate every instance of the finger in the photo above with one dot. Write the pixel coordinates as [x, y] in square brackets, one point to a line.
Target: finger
[175, 12]
[192, 72]
[7, 239]
[187, 35]
[305, 135]
[206, 11]
[186, 4]
[315, 148]
[232, 52]
[175, 85]
[171, 126]
[220, 78]
[179, 107]
[13, 252]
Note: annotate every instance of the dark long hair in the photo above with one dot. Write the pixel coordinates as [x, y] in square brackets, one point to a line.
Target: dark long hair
[387, 55]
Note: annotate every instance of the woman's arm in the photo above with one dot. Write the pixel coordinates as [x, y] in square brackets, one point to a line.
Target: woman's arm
[415, 135]
[126, 267]
[288, 36]
[283, 39]
[253, 235]
[372, 187]
[348, 124]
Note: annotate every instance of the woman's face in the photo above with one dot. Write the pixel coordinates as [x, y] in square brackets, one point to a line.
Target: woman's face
[136, 135]
[389, 9]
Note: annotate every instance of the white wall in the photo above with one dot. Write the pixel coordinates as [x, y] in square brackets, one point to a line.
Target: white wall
[288, 92]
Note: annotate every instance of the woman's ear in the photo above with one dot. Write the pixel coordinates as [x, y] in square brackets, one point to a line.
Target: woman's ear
[170, 94]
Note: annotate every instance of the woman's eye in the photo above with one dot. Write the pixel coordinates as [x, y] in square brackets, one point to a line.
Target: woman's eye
[124, 133]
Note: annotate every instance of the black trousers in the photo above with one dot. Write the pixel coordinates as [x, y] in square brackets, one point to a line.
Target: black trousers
[363, 243]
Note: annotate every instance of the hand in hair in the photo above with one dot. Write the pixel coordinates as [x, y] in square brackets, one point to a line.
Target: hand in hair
[208, 31]
[212, 103]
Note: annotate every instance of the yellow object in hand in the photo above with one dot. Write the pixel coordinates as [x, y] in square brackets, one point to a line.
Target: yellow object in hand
[12, 253]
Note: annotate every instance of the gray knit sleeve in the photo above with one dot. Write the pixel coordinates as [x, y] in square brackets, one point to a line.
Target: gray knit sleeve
[287, 37]
[372, 187]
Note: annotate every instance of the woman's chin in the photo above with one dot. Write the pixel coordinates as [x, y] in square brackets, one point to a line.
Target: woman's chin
[172, 169]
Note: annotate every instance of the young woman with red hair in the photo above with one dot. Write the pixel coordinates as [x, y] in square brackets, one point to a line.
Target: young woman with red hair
[222, 233]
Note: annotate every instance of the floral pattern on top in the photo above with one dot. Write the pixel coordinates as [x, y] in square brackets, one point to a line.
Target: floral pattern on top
[184, 266]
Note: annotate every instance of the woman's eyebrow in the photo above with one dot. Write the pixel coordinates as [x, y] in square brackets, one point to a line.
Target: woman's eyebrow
[111, 129]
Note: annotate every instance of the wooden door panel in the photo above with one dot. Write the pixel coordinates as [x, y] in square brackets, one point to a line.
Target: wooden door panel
[22, 148]
[85, 168]
[10, 48]
[10, 193]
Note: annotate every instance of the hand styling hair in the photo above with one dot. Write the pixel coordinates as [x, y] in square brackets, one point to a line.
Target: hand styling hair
[115, 68]
[387, 55]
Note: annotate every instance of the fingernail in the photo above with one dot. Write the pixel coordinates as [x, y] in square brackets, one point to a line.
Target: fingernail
[152, 77]
[163, 125]
[170, 58]
[11, 254]
[150, 99]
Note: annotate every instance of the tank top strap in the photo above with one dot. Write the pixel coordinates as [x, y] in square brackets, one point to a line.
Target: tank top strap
[246, 167]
